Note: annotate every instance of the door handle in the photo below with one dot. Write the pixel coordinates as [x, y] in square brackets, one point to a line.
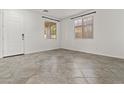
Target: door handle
[23, 36]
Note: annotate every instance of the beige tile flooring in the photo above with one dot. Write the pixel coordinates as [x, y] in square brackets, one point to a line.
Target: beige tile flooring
[61, 67]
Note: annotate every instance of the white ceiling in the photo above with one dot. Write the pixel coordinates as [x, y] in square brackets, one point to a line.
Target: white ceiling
[61, 13]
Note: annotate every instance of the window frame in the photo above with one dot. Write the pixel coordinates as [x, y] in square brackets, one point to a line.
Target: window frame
[81, 18]
[74, 27]
[44, 20]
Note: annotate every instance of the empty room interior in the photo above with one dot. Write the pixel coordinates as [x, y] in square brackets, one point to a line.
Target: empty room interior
[61, 46]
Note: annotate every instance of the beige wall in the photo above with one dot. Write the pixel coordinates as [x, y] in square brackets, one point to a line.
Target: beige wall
[34, 33]
[0, 34]
[108, 34]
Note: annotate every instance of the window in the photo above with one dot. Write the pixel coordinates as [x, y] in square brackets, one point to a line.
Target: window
[84, 27]
[50, 30]
[78, 28]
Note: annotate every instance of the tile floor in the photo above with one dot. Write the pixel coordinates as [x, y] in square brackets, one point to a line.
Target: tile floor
[61, 67]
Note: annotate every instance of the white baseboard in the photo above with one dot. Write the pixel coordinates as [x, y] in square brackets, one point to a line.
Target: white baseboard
[107, 55]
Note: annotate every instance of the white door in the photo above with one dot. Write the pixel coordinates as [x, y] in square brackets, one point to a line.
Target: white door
[13, 30]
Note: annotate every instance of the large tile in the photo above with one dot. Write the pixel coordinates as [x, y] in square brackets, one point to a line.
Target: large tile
[61, 67]
[97, 73]
[37, 79]
[77, 81]
[60, 72]
[25, 70]
[104, 80]
[7, 81]
[5, 71]
[118, 72]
